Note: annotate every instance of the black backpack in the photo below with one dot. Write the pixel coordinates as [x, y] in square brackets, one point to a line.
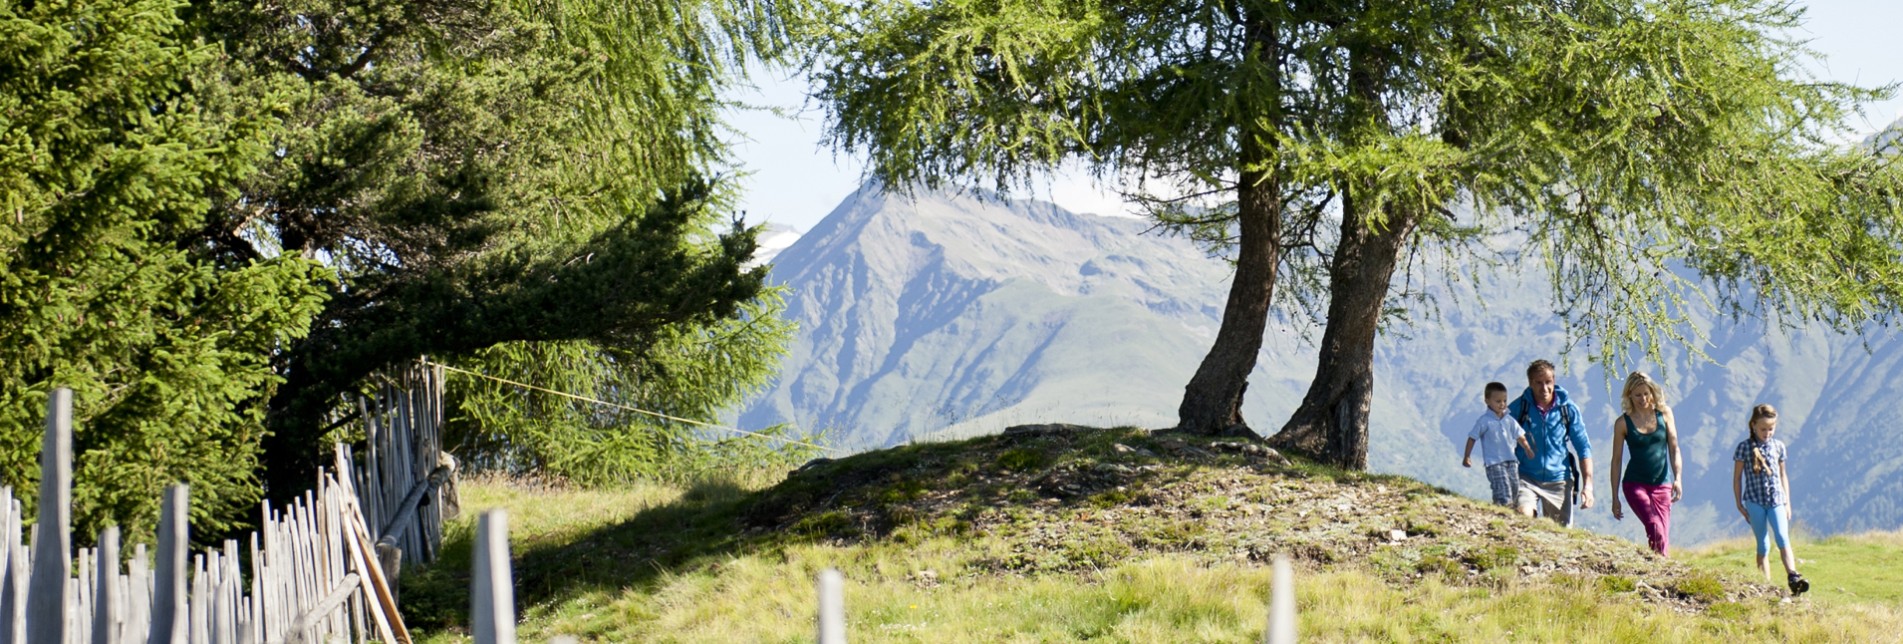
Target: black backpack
[1572, 460]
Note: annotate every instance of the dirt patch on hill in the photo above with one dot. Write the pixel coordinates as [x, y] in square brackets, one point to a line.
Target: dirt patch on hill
[1062, 498]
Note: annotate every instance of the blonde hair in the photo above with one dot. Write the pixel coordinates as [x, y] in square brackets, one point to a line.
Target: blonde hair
[1758, 464]
[1639, 379]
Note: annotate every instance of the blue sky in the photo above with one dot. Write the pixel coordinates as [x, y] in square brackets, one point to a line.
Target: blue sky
[795, 180]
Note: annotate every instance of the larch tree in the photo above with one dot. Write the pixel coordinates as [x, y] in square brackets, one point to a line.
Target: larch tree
[497, 183]
[219, 216]
[1654, 155]
[1325, 140]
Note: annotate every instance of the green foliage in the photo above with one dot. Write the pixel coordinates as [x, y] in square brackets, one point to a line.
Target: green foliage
[494, 174]
[115, 141]
[1024, 459]
[1494, 558]
[1645, 150]
[691, 371]
[219, 215]
[1617, 584]
[1441, 564]
[1702, 586]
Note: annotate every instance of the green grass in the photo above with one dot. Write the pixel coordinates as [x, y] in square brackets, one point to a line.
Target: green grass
[1843, 569]
[991, 558]
[769, 597]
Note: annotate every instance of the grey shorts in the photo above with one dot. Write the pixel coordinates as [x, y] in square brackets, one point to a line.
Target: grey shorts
[1552, 499]
[1504, 477]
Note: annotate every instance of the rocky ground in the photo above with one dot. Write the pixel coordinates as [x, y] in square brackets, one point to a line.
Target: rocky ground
[1056, 498]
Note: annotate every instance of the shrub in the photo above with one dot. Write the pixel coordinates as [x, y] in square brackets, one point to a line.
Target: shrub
[1617, 584]
[1022, 459]
[1701, 586]
[1498, 557]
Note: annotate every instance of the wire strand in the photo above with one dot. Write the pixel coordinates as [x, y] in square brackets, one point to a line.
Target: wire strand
[831, 450]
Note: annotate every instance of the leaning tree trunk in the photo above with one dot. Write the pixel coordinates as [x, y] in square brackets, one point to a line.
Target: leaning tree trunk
[1332, 422]
[1212, 401]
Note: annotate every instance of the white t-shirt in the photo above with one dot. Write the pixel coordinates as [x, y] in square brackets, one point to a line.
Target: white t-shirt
[1497, 436]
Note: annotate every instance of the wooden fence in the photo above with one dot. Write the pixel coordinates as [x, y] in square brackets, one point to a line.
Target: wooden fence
[314, 575]
[407, 480]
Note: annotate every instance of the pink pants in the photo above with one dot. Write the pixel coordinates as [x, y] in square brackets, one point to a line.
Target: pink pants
[1652, 505]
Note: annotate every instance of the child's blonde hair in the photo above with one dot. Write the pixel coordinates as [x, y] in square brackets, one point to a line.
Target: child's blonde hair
[1639, 379]
[1758, 465]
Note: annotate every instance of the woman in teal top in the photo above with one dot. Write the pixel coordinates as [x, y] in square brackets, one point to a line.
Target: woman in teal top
[1651, 481]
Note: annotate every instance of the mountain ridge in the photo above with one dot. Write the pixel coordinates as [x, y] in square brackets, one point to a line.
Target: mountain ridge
[937, 316]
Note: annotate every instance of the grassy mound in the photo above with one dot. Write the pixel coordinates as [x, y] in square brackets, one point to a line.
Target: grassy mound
[1065, 533]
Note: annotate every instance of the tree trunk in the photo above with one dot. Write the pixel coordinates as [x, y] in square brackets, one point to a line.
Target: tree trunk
[1212, 402]
[639, 280]
[1332, 422]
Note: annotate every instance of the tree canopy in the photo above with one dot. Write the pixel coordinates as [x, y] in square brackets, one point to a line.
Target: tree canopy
[485, 173]
[113, 148]
[222, 215]
[1324, 141]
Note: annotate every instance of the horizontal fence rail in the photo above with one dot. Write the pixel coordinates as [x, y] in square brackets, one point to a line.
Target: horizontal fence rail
[406, 483]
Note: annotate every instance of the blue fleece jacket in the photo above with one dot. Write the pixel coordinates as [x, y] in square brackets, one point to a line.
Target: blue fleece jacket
[1549, 433]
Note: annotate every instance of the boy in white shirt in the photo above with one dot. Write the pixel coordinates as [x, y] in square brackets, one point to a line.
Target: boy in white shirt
[1497, 433]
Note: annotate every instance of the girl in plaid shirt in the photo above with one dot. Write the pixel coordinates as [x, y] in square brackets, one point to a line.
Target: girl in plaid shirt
[1762, 488]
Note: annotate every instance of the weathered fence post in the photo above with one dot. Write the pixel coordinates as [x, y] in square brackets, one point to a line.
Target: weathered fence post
[13, 581]
[493, 591]
[106, 590]
[1281, 604]
[46, 607]
[169, 612]
[314, 579]
[832, 607]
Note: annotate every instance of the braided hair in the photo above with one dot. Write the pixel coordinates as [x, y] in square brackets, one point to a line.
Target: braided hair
[1758, 465]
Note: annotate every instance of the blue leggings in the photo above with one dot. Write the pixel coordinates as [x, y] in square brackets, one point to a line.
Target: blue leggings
[1775, 519]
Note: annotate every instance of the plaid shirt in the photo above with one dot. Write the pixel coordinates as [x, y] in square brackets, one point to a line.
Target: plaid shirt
[1765, 488]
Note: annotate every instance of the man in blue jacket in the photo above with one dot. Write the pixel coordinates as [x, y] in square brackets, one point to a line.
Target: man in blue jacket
[1552, 423]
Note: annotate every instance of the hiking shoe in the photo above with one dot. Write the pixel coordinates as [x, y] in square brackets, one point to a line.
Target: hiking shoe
[1799, 584]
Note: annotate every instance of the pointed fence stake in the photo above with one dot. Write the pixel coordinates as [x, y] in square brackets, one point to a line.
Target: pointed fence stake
[494, 591]
[106, 591]
[832, 607]
[13, 584]
[170, 619]
[1281, 604]
[46, 607]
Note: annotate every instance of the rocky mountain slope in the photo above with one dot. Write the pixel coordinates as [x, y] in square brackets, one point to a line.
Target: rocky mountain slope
[938, 316]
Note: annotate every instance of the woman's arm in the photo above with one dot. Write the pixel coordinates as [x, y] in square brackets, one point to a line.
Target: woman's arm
[1618, 455]
[1671, 443]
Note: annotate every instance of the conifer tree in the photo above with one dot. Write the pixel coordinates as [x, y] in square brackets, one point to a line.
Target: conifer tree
[114, 144]
[1322, 141]
[484, 174]
[221, 215]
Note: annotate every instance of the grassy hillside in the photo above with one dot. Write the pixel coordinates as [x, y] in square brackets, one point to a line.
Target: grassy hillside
[1845, 569]
[1070, 534]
